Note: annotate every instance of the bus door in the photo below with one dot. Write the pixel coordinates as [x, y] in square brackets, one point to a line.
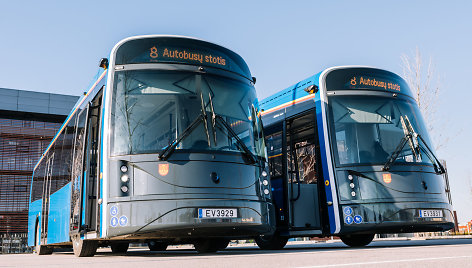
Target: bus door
[302, 171]
[91, 166]
[77, 172]
[46, 198]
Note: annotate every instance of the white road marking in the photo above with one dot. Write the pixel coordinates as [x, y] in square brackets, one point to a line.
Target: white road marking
[384, 262]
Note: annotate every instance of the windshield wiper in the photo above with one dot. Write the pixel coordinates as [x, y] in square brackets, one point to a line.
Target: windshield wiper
[407, 137]
[213, 119]
[438, 167]
[205, 119]
[412, 138]
[223, 124]
[167, 151]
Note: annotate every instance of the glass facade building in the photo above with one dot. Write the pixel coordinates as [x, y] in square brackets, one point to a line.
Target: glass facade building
[28, 122]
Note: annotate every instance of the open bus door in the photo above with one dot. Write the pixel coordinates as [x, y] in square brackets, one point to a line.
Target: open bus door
[91, 166]
[293, 149]
[302, 173]
[46, 200]
[85, 175]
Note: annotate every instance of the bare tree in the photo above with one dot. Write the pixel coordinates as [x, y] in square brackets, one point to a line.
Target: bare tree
[425, 85]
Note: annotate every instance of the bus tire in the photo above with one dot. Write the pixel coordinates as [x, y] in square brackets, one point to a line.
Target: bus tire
[222, 244]
[119, 247]
[271, 242]
[210, 245]
[155, 245]
[357, 240]
[40, 249]
[84, 248]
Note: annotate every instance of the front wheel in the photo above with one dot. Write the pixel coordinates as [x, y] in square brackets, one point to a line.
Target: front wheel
[119, 247]
[157, 245]
[210, 245]
[84, 248]
[357, 240]
[271, 242]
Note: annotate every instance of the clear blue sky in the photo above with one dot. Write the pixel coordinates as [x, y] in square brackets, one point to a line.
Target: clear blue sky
[55, 46]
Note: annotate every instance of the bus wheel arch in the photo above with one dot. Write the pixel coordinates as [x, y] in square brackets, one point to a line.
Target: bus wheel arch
[357, 240]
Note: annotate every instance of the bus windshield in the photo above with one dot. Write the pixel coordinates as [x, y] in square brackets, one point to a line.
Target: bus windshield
[368, 129]
[151, 108]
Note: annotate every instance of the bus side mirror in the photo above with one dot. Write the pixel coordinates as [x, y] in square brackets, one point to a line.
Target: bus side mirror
[254, 80]
[311, 89]
[103, 63]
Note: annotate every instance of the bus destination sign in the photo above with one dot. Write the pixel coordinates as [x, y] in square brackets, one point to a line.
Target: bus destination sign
[364, 78]
[157, 54]
[372, 82]
[181, 51]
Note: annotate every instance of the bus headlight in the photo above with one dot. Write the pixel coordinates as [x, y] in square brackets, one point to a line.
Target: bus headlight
[350, 177]
[124, 188]
[124, 168]
[264, 174]
[266, 191]
[265, 182]
[124, 178]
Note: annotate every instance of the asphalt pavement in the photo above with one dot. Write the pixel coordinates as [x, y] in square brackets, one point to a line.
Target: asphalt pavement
[380, 253]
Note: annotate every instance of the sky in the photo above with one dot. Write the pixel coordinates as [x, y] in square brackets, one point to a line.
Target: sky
[55, 47]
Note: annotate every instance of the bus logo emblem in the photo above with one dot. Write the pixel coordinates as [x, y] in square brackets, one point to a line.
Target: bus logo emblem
[163, 169]
[387, 177]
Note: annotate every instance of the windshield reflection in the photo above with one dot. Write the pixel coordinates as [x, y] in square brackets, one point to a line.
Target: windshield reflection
[152, 108]
[367, 129]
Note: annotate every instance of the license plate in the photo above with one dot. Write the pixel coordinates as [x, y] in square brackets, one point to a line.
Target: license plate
[217, 213]
[430, 213]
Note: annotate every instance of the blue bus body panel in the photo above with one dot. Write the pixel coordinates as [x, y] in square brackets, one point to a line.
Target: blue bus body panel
[59, 215]
[289, 98]
[288, 95]
[33, 214]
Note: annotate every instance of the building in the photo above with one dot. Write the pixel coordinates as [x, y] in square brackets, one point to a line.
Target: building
[28, 122]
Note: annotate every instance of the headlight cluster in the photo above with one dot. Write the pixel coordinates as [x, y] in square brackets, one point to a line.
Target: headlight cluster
[265, 182]
[124, 177]
[352, 185]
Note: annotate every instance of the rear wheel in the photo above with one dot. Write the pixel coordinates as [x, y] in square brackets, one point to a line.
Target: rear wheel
[119, 247]
[210, 245]
[271, 242]
[84, 248]
[155, 245]
[40, 249]
[357, 240]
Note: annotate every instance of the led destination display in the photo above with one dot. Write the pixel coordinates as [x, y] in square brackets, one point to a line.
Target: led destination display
[180, 50]
[366, 79]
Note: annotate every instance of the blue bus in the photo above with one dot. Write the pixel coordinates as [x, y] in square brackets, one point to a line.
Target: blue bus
[350, 156]
[165, 147]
